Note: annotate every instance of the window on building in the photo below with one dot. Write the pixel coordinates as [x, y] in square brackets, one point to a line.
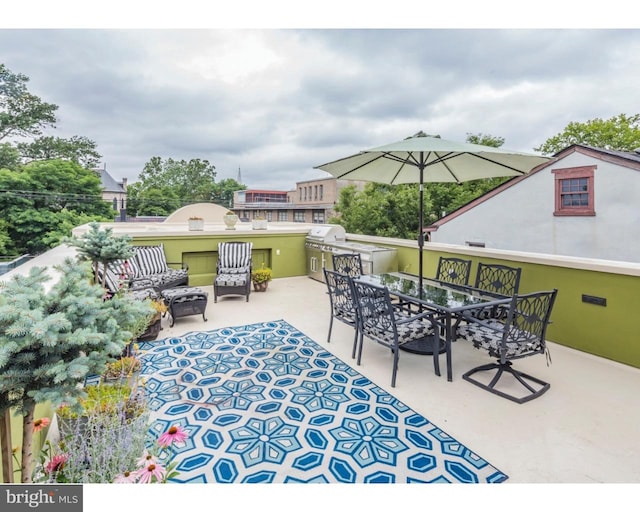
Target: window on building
[298, 216]
[269, 215]
[300, 191]
[315, 192]
[318, 217]
[305, 193]
[574, 191]
[321, 191]
[282, 216]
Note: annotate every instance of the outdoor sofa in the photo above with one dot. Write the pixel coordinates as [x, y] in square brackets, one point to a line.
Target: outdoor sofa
[148, 268]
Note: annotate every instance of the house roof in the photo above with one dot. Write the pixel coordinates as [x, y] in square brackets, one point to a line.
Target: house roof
[629, 159]
[108, 183]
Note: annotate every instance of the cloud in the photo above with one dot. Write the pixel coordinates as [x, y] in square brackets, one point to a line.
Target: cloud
[277, 102]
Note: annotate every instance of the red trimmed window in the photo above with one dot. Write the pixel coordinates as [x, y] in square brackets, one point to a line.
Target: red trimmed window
[574, 191]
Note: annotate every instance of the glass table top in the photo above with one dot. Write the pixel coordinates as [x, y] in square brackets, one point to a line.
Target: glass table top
[444, 295]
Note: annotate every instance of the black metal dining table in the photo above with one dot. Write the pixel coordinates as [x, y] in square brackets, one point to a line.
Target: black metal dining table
[446, 299]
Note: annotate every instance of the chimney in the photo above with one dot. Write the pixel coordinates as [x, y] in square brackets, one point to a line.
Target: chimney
[124, 183]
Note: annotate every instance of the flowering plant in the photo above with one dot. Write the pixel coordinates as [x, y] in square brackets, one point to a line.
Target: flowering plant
[261, 275]
[159, 306]
[156, 466]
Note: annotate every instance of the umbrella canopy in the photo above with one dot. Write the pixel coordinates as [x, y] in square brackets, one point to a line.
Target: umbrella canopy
[423, 159]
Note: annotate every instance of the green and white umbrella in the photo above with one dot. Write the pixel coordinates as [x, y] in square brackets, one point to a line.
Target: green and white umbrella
[424, 159]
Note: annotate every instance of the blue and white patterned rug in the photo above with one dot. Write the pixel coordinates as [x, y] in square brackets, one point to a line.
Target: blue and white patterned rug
[264, 403]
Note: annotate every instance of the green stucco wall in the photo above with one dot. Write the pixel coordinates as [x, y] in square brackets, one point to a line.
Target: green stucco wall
[284, 253]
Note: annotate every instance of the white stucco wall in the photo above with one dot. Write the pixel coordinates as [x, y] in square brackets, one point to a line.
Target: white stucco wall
[521, 217]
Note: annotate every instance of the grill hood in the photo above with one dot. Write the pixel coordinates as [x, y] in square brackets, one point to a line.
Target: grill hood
[327, 233]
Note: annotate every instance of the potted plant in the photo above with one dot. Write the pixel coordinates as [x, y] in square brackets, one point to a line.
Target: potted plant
[196, 223]
[153, 325]
[230, 219]
[99, 400]
[260, 278]
[123, 370]
[259, 222]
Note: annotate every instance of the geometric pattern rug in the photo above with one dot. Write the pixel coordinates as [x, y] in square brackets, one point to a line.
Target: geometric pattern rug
[264, 403]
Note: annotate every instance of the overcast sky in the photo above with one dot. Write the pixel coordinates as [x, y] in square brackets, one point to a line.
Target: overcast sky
[277, 102]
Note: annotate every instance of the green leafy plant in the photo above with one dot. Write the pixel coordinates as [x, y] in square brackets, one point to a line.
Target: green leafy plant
[96, 446]
[123, 367]
[98, 399]
[53, 337]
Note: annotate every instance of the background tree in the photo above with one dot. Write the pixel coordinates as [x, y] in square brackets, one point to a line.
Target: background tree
[223, 191]
[380, 210]
[393, 210]
[166, 185]
[151, 201]
[50, 340]
[9, 156]
[40, 203]
[80, 150]
[620, 133]
[192, 181]
[22, 114]
[43, 201]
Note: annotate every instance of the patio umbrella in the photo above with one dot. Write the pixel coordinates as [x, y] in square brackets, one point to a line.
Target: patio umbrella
[422, 159]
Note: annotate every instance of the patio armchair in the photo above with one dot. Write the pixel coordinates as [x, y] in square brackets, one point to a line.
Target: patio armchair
[341, 302]
[233, 270]
[382, 322]
[453, 270]
[348, 263]
[521, 334]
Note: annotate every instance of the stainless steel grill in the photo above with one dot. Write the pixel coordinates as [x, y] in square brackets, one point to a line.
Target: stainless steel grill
[325, 240]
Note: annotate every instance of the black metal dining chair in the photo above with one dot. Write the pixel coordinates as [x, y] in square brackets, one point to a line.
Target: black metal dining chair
[348, 263]
[520, 335]
[500, 280]
[453, 270]
[390, 326]
[341, 302]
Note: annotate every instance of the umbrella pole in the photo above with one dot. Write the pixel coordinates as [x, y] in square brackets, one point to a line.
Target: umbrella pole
[421, 226]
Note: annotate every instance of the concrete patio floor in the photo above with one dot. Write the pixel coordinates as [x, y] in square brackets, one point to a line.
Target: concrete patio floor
[585, 429]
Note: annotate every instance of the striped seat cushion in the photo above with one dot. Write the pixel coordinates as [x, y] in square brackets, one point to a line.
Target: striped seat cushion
[113, 281]
[232, 255]
[150, 260]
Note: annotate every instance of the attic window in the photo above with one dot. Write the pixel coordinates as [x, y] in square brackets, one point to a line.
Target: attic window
[574, 191]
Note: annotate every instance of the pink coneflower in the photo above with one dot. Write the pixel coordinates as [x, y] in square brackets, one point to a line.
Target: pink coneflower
[40, 423]
[125, 478]
[146, 459]
[56, 463]
[175, 433]
[146, 474]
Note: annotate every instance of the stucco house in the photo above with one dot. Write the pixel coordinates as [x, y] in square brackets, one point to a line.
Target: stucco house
[584, 203]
